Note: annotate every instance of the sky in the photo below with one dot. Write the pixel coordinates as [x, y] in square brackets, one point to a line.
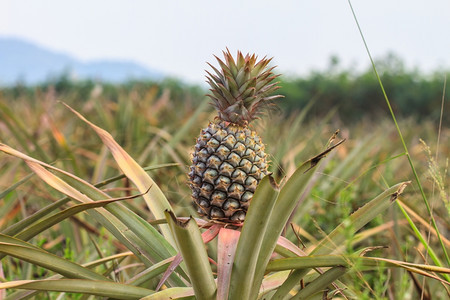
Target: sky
[179, 37]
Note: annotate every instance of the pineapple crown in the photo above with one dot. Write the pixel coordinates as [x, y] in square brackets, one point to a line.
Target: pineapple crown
[241, 89]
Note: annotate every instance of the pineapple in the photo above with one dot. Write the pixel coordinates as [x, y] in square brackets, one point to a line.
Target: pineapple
[229, 159]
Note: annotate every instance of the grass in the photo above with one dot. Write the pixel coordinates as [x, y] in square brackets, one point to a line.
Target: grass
[416, 176]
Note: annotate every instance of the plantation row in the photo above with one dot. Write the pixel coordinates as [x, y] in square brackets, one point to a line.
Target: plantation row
[355, 95]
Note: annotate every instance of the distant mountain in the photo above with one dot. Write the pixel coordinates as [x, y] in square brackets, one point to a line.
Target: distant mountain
[26, 62]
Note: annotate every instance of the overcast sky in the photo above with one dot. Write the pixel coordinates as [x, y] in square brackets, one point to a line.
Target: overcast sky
[178, 37]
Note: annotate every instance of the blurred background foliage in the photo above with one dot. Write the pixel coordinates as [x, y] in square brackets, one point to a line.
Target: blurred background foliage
[357, 95]
[354, 94]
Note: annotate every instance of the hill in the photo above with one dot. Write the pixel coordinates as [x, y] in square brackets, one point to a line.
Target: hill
[29, 63]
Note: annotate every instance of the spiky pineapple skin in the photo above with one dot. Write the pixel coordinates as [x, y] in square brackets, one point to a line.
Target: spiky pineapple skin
[227, 165]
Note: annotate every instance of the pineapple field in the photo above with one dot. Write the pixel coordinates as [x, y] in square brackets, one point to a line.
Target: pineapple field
[269, 188]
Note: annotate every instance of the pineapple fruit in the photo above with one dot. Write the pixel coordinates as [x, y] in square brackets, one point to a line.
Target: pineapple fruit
[229, 159]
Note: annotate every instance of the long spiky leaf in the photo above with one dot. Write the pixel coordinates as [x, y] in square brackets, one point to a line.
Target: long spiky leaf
[155, 199]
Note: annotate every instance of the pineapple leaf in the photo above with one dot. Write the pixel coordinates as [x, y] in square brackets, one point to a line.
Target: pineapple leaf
[259, 67]
[226, 93]
[151, 272]
[240, 61]
[271, 282]
[192, 248]
[207, 236]
[173, 293]
[244, 79]
[49, 221]
[318, 286]
[285, 204]
[233, 87]
[360, 218]
[176, 261]
[225, 68]
[230, 62]
[46, 260]
[97, 288]
[355, 222]
[219, 101]
[250, 242]
[117, 219]
[155, 199]
[240, 77]
[219, 77]
[226, 250]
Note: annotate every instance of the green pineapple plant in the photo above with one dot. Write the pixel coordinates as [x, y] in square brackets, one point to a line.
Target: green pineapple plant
[229, 159]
